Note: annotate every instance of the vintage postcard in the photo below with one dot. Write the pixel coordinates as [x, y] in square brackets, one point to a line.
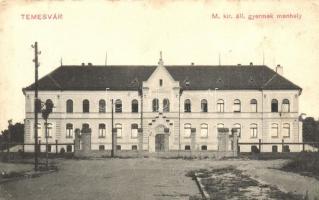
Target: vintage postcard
[163, 99]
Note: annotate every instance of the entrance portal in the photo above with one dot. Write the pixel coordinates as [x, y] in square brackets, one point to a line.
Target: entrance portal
[159, 142]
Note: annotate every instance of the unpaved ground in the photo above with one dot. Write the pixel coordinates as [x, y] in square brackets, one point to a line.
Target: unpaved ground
[143, 179]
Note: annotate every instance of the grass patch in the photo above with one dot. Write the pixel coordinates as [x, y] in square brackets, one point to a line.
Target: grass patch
[304, 163]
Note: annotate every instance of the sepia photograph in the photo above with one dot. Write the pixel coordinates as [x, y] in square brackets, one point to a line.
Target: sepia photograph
[159, 100]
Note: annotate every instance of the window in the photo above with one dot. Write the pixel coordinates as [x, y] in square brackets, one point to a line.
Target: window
[253, 105]
[203, 104]
[69, 130]
[161, 82]
[102, 106]
[49, 101]
[204, 130]
[220, 105]
[69, 148]
[49, 148]
[220, 125]
[102, 130]
[134, 147]
[253, 131]
[38, 105]
[85, 127]
[69, 106]
[204, 147]
[101, 147]
[254, 149]
[237, 105]
[187, 147]
[285, 105]
[187, 105]
[274, 130]
[118, 106]
[155, 105]
[49, 130]
[118, 147]
[274, 148]
[187, 130]
[274, 105]
[39, 129]
[86, 106]
[286, 148]
[238, 129]
[286, 130]
[118, 130]
[134, 130]
[165, 105]
[134, 106]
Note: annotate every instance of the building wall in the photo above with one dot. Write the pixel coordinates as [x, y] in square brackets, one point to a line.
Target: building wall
[174, 120]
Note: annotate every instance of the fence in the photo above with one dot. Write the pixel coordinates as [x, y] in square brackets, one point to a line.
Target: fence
[259, 147]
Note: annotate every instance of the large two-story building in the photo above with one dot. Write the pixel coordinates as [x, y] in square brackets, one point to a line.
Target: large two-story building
[168, 104]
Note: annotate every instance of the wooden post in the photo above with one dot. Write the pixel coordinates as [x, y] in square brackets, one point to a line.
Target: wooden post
[39, 146]
[303, 146]
[259, 145]
[282, 145]
[73, 146]
[56, 147]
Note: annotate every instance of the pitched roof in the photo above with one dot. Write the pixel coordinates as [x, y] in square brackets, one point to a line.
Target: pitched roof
[120, 77]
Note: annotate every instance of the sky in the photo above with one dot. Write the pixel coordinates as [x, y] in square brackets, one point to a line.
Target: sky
[134, 32]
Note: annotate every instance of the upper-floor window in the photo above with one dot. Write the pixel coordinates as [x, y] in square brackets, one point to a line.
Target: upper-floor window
[187, 130]
[155, 105]
[69, 130]
[165, 105]
[203, 105]
[161, 82]
[285, 105]
[86, 106]
[134, 130]
[286, 130]
[253, 105]
[69, 106]
[134, 106]
[118, 130]
[102, 130]
[237, 105]
[274, 130]
[253, 131]
[237, 127]
[118, 105]
[187, 106]
[220, 105]
[274, 105]
[204, 130]
[85, 127]
[49, 130]
[102, 106]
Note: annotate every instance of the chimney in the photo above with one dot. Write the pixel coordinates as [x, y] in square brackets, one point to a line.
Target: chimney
[251, 64]
[279, 70]
[192, 64]
[83, 64]
[238, 64]
[89, 64]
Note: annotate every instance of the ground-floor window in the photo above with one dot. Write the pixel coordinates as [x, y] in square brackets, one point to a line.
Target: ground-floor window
[286, 148]
[274, 148]
[101, 147]
[102, 130]
[204, 148]
[118, 147]
[69, 148]
[134, 147]
[254, 149]
[49, 148]
[187, 147]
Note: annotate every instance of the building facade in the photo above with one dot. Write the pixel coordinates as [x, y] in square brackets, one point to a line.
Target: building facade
[173, 107]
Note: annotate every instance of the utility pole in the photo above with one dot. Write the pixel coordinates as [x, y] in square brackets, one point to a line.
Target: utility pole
[36, 105]
[113, 148]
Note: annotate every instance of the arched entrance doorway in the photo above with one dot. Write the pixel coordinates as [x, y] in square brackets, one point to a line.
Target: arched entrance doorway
[159, 142]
